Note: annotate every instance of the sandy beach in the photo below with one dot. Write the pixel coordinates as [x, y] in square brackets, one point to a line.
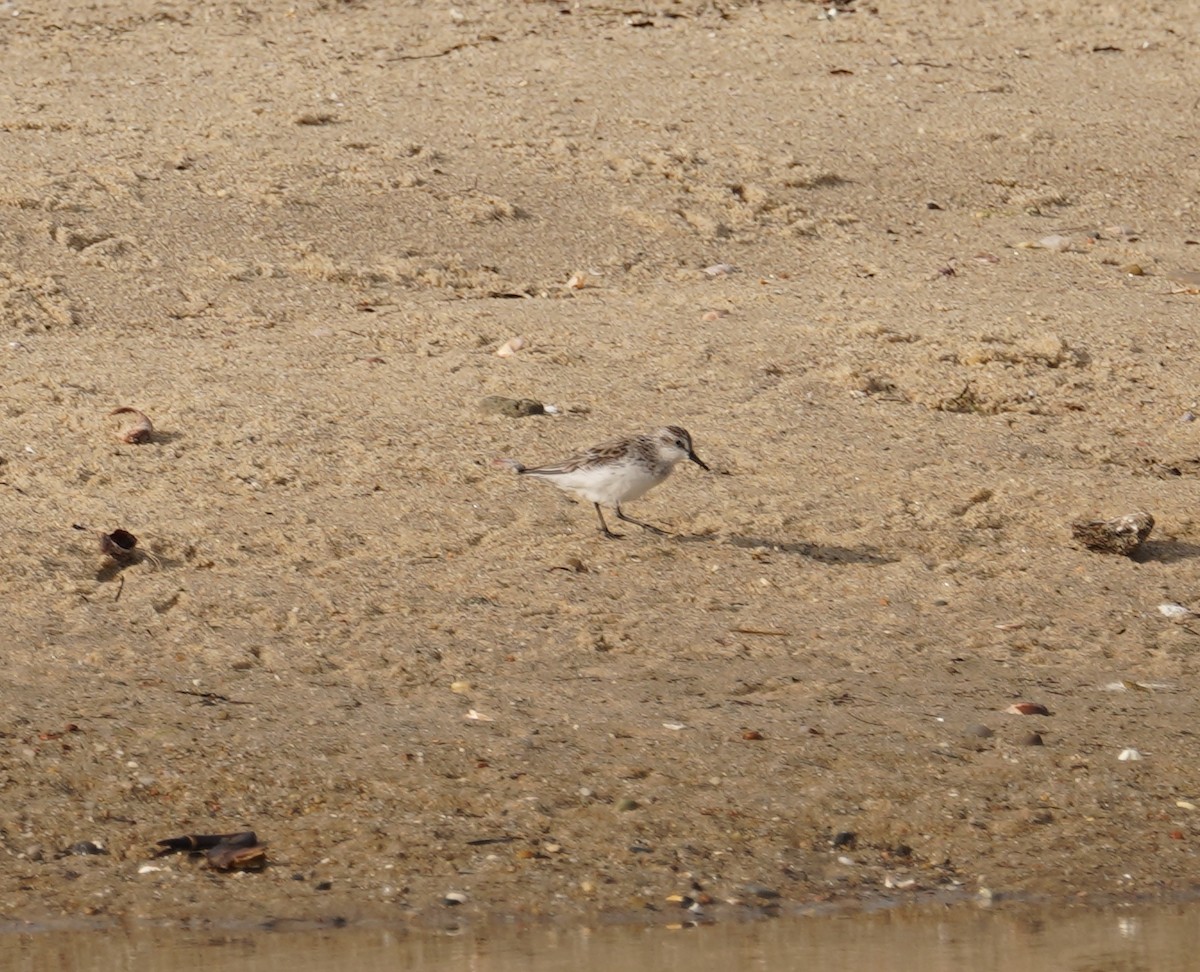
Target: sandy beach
[922, 280]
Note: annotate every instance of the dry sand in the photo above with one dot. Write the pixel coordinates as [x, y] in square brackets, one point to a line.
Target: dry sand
[295, 233]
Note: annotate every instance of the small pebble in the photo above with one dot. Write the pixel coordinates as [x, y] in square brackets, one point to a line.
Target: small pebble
[627, 804]
[454, 898]
[1129, 755]
[980, 730]
[1032, 739]
[512, 407]
[760, 891]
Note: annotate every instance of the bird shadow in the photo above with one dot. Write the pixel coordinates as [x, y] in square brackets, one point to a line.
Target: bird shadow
[1165, 551]
[823, 553]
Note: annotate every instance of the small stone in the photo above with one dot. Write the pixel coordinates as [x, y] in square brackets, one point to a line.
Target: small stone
[760, 891]
[980, 731]
[626, 804]
[1032, 739]
[454, 898]
[511, 407]
[1133, 269]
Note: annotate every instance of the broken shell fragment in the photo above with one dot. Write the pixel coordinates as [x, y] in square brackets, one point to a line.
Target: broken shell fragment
[510, 347]
[1120, 536]
[141, 430]
[1027, 708]
[119, 544]
[1129, 755]
[1174, 611]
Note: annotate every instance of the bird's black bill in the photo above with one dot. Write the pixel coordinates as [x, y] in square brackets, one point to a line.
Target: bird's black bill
[698, 461]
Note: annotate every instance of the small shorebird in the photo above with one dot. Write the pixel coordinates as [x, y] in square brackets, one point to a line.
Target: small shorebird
[618, 470]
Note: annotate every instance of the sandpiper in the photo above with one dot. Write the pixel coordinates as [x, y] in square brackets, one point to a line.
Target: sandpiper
[618, 470]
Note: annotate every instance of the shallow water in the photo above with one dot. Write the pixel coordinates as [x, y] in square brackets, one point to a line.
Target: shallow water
[1163, 938]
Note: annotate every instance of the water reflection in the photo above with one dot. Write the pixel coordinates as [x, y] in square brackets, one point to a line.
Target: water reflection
[955, 940]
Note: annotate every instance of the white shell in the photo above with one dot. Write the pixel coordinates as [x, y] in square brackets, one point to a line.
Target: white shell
[1173, 610]
[510, 347]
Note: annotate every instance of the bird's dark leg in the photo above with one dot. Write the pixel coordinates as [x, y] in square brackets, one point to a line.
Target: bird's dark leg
[604, 526]
[645, 526]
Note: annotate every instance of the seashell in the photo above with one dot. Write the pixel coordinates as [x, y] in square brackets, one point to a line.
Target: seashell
[1027, 708]
[1120, 536]
[1174, 611]
[140, 431]
[1055, 243]
[1129, 755]
[119, 544]
[510, 347]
